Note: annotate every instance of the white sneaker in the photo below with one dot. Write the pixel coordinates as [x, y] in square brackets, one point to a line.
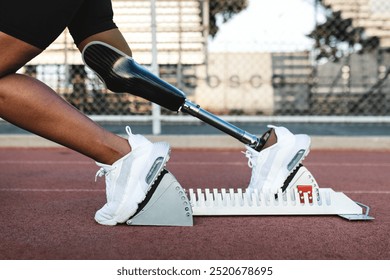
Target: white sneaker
[129, 179]
[272, 166]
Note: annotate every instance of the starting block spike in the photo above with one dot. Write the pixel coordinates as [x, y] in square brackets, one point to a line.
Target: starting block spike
[167, 204]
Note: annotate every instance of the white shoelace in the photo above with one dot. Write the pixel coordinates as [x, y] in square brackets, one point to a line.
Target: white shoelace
[104, 171]
[251, 158]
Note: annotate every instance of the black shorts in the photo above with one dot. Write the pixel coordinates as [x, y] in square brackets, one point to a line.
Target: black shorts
[40, 22]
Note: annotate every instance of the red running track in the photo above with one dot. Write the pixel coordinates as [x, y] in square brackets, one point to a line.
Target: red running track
[48, 198]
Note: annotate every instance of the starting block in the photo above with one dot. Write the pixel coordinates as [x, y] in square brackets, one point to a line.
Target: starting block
[168, 204]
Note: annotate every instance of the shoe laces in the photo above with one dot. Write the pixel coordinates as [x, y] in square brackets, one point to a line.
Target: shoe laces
[128, 130]
[104, 171]
[252, 158]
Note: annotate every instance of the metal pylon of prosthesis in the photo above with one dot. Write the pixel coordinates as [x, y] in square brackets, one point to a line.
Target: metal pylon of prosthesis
[168, 204]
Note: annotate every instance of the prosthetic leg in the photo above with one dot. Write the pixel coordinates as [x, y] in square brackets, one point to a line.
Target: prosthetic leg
[121, 73]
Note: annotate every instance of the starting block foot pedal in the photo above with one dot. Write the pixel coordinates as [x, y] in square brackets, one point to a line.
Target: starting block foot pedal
[166, 204]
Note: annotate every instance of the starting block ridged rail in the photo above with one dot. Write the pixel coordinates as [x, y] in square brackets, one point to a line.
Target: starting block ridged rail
[324, 201]
[168, 204]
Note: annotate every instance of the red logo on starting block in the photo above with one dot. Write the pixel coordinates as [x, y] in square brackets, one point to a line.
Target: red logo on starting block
[305, 189]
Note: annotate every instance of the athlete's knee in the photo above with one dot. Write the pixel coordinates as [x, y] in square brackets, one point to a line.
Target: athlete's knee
[10, 67]
[14, 54]
[6, 72]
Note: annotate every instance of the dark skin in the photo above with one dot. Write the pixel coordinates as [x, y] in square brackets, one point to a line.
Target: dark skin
[31, 105]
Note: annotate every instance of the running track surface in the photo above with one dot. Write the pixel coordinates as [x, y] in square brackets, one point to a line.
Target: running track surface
[48, 198]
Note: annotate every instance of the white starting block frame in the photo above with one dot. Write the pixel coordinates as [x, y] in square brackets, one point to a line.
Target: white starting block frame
[171, 205]
[302, 197]
[324, 201]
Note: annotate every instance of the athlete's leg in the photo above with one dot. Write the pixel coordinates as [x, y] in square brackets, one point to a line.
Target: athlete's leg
[129, 184]
[32, 105]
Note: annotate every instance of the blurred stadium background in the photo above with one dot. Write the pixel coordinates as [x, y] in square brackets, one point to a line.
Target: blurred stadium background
[339, 74]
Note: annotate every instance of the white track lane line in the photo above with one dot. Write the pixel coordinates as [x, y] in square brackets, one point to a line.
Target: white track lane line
[102, 190]
[346, 164]
[49, 190]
